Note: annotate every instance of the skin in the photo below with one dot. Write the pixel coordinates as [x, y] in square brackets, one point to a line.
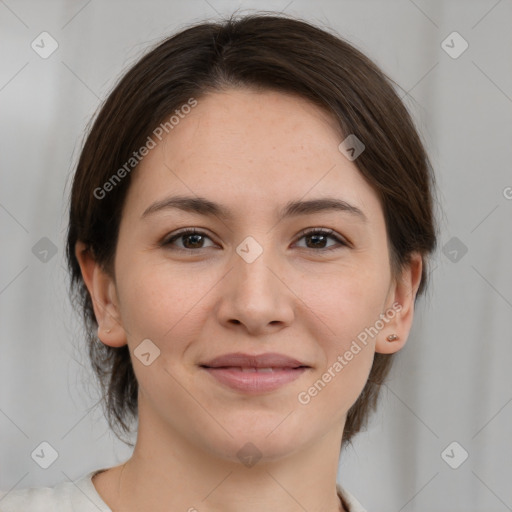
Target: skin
[252, 152]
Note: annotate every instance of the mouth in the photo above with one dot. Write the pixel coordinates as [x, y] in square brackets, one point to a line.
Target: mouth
[254, 373]
[246, 369]
[254, 380]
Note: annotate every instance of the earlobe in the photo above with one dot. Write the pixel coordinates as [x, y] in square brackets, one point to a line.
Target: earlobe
[102, 290]
[394, 336]
[389, 344]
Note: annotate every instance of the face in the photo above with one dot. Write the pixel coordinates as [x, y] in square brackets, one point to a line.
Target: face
[252, 280]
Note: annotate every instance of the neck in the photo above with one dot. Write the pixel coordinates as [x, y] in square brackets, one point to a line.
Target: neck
[167, 471]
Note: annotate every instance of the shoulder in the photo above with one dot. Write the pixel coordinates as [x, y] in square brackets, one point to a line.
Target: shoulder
[352, 505]
[79, 495]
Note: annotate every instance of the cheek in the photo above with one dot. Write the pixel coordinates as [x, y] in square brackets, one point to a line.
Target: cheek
[335, 388]
[346, 301]
[347, 306]
[346, 348]
[163, 303]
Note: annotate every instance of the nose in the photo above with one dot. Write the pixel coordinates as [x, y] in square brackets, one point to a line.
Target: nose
[255, 296]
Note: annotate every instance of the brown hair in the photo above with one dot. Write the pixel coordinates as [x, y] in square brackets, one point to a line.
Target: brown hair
[263, 51]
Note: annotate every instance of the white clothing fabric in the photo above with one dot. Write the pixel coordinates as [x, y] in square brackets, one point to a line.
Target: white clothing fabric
[82, 496]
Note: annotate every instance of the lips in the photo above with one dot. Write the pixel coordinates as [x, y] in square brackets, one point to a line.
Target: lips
[254, 374]
[265, 362]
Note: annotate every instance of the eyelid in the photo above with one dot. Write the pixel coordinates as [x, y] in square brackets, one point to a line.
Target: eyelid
[182, 232]
[342, 241]
[326, 232]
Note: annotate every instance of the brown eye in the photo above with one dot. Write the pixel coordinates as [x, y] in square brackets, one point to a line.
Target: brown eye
[191, 240]
[318, 238]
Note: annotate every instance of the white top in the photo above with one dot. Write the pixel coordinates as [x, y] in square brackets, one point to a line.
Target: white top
[82, 496]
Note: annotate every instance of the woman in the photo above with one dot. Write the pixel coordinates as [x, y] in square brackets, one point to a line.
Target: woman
[250, 222]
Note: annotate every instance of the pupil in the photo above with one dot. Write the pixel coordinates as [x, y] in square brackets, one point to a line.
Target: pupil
[192, 236]
[317, 237]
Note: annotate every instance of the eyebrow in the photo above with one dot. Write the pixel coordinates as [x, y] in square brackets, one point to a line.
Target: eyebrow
[203, 206]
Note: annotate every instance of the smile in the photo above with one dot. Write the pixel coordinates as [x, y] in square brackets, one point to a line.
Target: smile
[255, 380]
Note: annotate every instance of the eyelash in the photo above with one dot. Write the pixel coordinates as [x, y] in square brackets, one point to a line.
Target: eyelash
[302, 234]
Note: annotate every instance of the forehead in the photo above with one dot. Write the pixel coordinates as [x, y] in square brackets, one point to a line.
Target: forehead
[250, 149]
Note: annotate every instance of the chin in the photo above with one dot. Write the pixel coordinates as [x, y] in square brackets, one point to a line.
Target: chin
[250, 451]
[259, 441]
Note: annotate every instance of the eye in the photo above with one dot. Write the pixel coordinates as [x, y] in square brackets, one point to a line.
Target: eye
[319, 237]
[194, 239]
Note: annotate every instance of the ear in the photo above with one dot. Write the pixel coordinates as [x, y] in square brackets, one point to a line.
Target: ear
[402, 295]
[103, 293]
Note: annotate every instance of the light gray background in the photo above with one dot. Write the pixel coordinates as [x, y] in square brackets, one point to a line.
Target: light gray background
[452, 381]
